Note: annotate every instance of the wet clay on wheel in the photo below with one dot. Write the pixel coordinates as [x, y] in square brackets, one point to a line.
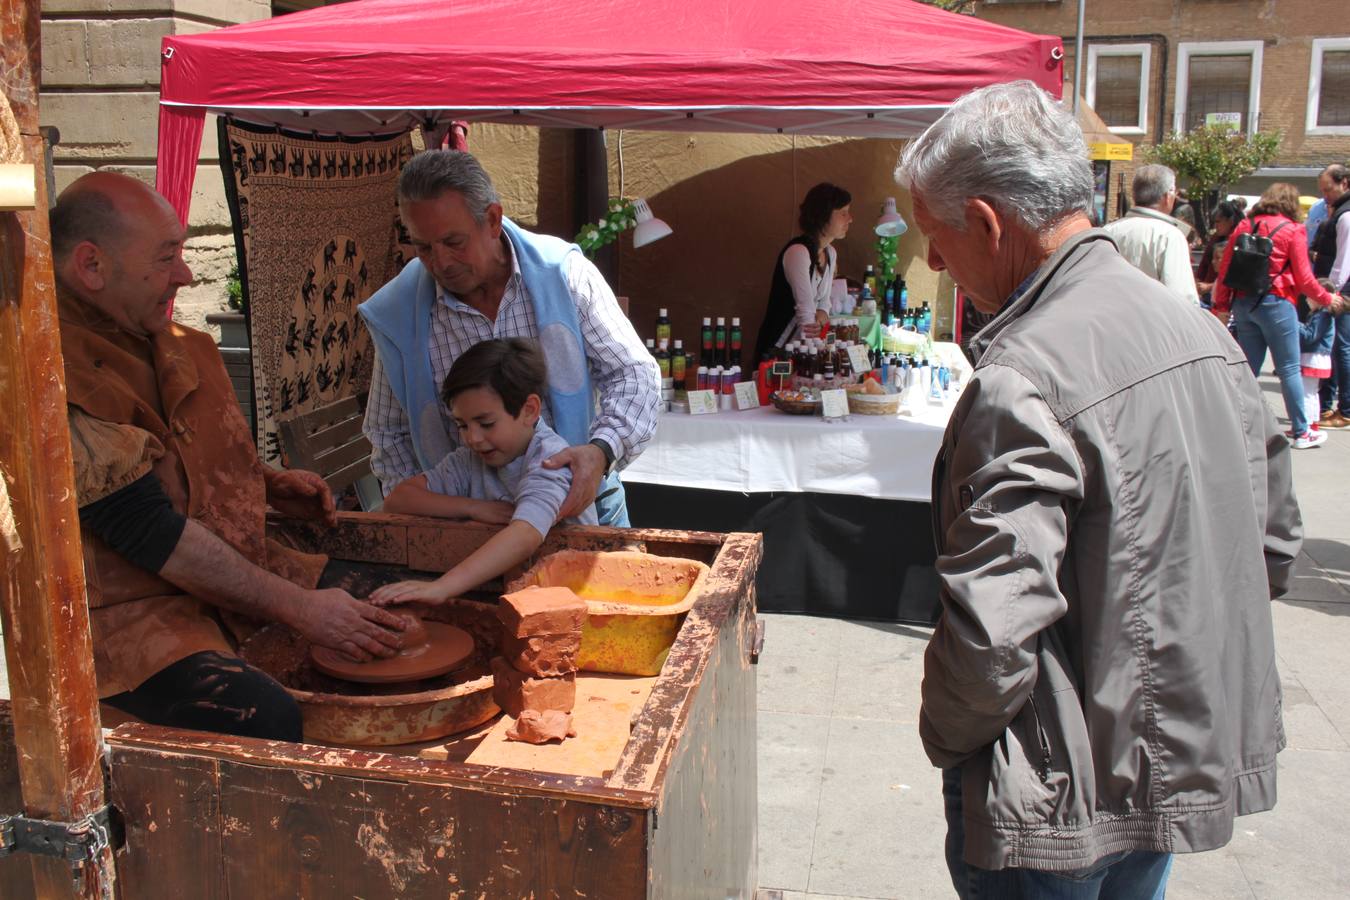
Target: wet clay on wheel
[429, 649]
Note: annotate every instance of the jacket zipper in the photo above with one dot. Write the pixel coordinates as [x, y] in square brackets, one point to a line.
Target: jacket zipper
[1043, 770]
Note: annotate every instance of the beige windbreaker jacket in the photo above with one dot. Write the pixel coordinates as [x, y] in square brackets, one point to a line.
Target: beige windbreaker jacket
[1114, 514]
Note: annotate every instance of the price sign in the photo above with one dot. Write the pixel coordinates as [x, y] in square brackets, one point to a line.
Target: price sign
[857, 357]
[834, 404]
[747, 395]
[702, 403]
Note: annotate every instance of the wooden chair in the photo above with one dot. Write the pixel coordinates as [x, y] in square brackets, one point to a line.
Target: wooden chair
[329, 441]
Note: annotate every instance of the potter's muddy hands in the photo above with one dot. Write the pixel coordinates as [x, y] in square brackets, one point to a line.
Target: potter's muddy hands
[301, 495]
[491, 512]
[335, 619]
[410, 592]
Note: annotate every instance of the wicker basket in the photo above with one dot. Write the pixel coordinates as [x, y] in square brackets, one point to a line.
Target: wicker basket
[795, 407]
[873, 404]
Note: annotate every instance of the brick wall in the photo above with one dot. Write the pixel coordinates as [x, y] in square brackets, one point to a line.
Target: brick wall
[100, 87]
[1285, 28]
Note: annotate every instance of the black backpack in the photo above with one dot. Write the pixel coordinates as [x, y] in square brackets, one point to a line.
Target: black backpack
[1249, 267]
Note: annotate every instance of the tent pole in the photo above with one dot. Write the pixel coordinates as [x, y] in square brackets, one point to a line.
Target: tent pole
[42, 592]
[592, 190]
[1078, 57]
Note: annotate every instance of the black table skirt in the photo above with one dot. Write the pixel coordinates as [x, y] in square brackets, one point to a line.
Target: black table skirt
[824, 554]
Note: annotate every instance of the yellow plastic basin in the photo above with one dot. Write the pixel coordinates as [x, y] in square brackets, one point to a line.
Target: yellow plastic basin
[635, 603]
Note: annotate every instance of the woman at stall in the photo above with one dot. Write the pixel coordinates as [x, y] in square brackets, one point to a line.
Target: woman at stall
[1270, 320]
[799, 299]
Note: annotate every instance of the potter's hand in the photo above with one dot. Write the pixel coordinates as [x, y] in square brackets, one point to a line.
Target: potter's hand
[410, 592]
[301, 495]
[491, 512]
[335, 619]
[587, 463]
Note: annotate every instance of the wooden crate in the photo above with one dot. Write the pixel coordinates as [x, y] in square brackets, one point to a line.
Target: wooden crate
[209, 816]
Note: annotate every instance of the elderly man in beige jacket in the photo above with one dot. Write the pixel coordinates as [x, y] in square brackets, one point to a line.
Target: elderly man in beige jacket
[1151, 239]
[1114, 514]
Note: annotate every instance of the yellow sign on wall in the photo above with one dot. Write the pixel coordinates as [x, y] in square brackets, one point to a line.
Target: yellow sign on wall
[1104, 150]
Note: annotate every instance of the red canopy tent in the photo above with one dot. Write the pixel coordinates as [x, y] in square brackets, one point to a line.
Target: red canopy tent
[863, 68]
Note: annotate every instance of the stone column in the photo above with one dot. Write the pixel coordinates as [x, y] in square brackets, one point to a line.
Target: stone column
[100, 87]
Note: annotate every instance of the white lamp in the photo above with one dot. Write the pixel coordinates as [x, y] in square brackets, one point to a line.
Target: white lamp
[891, 223]
[649, 228]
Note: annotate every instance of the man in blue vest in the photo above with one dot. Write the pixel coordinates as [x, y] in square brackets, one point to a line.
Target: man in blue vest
[479, 276]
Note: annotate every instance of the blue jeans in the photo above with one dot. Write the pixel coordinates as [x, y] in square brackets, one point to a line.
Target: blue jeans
[611, 504]
[1130, 875]
[1340, 369]
[1273, 323]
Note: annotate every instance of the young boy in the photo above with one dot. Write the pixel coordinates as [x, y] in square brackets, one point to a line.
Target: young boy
[496, 475]
[1315, 338]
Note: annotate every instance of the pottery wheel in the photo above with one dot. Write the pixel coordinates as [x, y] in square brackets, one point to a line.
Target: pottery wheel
[446, 649]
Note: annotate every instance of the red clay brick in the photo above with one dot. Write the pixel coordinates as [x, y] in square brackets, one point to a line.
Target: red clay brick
[542, 655]
[548, 610]
[516, 692]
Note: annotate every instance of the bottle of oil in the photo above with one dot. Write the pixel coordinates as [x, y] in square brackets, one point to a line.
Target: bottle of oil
[679, 365]
[663, 325]
[663, 359]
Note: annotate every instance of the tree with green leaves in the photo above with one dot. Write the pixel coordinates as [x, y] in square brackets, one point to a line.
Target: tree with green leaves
[1212, 158]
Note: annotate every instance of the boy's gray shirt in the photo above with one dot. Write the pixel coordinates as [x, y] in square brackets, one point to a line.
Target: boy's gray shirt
[536, 492]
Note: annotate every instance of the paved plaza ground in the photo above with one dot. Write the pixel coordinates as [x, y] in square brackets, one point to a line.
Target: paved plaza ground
[850, 808]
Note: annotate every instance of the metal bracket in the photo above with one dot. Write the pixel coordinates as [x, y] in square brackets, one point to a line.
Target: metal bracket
[75, 842]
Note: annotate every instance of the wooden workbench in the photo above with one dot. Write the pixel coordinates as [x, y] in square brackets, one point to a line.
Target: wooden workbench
[209, 816]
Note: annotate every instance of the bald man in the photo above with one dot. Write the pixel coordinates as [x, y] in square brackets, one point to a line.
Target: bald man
[172, 495]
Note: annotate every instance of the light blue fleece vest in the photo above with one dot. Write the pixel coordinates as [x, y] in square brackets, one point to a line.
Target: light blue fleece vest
[399, 318]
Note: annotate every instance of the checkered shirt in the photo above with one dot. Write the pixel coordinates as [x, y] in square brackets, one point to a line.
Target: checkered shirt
[622, 371]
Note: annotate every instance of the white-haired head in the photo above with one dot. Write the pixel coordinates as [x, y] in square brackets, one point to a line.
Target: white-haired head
[1011, 145]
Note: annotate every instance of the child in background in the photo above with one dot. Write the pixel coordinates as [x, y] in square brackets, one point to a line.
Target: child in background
[496, 476]
[1314, 340]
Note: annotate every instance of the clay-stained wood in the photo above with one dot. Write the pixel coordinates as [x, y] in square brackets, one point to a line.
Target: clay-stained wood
[728, 590]
[16, 874]
[126, 741]
[42, 598]
[705, 841]
[170, 806]
[287, 832]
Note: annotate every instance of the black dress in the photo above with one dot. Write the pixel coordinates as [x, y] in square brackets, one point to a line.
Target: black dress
[782, 307]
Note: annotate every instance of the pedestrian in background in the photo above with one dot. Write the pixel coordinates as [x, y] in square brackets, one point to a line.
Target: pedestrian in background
[1331, 259]
[1151, 239]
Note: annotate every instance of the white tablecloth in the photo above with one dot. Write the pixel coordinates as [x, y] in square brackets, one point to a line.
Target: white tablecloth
[764, 450]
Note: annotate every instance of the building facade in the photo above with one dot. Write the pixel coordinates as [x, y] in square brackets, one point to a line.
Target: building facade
[1157, 67]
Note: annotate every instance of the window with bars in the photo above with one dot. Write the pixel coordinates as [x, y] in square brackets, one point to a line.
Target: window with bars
[1118, 86]
[1333, 101]
[1218, 84]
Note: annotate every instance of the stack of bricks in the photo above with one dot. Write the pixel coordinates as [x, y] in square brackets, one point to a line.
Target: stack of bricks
[534, 678]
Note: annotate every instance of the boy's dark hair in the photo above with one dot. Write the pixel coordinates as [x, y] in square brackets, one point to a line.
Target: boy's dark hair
[513, 367]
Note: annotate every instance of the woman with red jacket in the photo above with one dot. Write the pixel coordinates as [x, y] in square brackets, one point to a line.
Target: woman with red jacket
[1272, 320]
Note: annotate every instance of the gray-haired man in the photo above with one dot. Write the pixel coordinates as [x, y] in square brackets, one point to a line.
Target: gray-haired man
[1114, 513]
[1151, 239]
[479, 276]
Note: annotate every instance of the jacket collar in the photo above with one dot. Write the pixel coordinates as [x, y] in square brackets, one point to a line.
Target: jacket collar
[1019, 305]
[1144, 212]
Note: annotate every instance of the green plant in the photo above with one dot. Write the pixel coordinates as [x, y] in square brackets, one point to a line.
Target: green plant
[619, 219]
[234, 289]
[1211, 158]
[887, 257]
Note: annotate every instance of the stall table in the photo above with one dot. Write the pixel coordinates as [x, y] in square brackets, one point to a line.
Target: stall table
[843, 506]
